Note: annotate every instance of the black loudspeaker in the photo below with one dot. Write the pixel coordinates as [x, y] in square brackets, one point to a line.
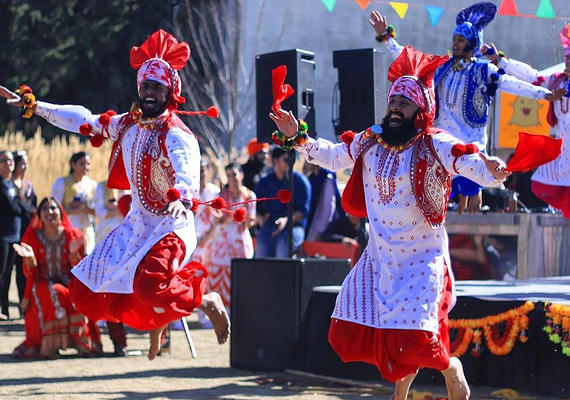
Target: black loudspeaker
[300, 75]
[269, 299]
[362, 83]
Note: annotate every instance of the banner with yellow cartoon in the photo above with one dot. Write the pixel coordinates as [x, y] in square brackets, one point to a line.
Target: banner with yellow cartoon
[514, 114]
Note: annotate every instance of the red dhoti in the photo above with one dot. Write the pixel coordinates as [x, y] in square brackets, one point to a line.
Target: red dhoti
[160, 295]
[395, 352]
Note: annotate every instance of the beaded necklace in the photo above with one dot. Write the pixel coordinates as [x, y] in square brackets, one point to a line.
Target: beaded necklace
[146, 123]
[375, 131]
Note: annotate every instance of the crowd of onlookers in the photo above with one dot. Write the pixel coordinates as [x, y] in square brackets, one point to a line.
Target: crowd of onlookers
[81, 207]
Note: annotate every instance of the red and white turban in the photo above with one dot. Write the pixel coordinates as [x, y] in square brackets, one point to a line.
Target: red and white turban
[158, 70]
[412, 88]
[158, 59]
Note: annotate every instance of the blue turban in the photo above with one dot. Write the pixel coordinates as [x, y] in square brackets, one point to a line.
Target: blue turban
[472, 20]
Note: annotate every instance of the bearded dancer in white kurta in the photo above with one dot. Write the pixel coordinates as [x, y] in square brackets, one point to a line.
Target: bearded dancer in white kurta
[140, 273]
[465, 86]
[392, 308]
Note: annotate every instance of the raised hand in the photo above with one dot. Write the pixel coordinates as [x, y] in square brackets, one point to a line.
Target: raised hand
[490, 51]
[11, 98]
[24, 250]
[495, 166]
[556, 94]
[175, 209]
[378, 22]
[286, 122]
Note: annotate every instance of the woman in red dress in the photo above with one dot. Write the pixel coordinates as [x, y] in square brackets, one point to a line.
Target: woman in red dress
[50, 247]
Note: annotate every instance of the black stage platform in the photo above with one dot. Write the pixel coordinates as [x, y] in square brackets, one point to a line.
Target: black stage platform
[537, 366]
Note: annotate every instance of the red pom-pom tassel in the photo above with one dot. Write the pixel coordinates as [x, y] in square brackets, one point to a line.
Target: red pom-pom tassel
[458, 150]
[471, 148]
[96, 140]
[218, 203]
[173, 194]
[284, 196]
[85, 129]
[111, 113]
[239, 215]
[194, 206]
[347, 137]
[104, 119]
[212, 112]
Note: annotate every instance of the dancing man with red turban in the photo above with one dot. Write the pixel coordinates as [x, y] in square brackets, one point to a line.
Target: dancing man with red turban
[392, 308]
[140, 273]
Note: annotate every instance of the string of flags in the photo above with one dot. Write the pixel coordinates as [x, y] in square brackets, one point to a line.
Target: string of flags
[434, 13]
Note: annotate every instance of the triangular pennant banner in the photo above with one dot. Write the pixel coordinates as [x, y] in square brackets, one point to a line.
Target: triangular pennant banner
[363, 3]
[329, 4]
[508, 7]
[400, 8]
[545, 10]
[434, 13]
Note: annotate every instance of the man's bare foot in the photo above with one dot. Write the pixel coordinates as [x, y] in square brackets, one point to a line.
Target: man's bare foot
[155, 342]
[457, 386]
[402, 387]
[214, 308]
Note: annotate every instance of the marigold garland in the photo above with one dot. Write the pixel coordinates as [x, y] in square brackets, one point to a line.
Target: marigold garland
[472, 330]
[558, 325]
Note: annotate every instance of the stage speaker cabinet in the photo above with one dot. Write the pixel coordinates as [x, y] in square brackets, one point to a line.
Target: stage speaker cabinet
[362, 84]
[269, 298]
[300, 75]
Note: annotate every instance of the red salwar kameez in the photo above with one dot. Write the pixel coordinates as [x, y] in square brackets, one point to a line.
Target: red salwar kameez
[51, 321]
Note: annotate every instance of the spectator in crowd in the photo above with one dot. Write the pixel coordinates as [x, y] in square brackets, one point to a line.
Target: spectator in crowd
[228, 239]
[28, 200]
[255, 168]
[202, 216]
[325, 200]
[272, 240]
[75, 192]
[347, 229]
[108, 217]
[50, 247]
[11, 211]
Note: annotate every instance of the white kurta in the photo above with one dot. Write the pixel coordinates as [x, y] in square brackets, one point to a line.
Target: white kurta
[451, 89]
[397, 282]
[557, 172]
[112, 264]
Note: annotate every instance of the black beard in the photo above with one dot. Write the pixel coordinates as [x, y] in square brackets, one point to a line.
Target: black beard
[395, 136]
[153, 111]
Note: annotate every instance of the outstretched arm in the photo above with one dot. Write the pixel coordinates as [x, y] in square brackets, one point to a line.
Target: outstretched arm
[380, 25]
[66, 117]
[519, 71]
[333, 156]
[457, 158]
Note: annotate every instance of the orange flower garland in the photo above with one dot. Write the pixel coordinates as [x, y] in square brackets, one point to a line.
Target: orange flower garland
[470, 331]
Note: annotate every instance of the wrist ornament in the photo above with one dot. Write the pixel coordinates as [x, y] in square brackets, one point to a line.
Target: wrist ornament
[25, 92]
[500, 54]
[389, 32]
[300, 139]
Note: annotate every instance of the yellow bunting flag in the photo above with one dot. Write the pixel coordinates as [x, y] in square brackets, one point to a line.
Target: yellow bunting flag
[400, 8]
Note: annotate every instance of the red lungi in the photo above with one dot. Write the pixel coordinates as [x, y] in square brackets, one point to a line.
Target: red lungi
[160, 294]
[395, 352]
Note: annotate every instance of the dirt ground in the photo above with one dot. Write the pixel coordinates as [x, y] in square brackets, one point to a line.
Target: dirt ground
[170, 376]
